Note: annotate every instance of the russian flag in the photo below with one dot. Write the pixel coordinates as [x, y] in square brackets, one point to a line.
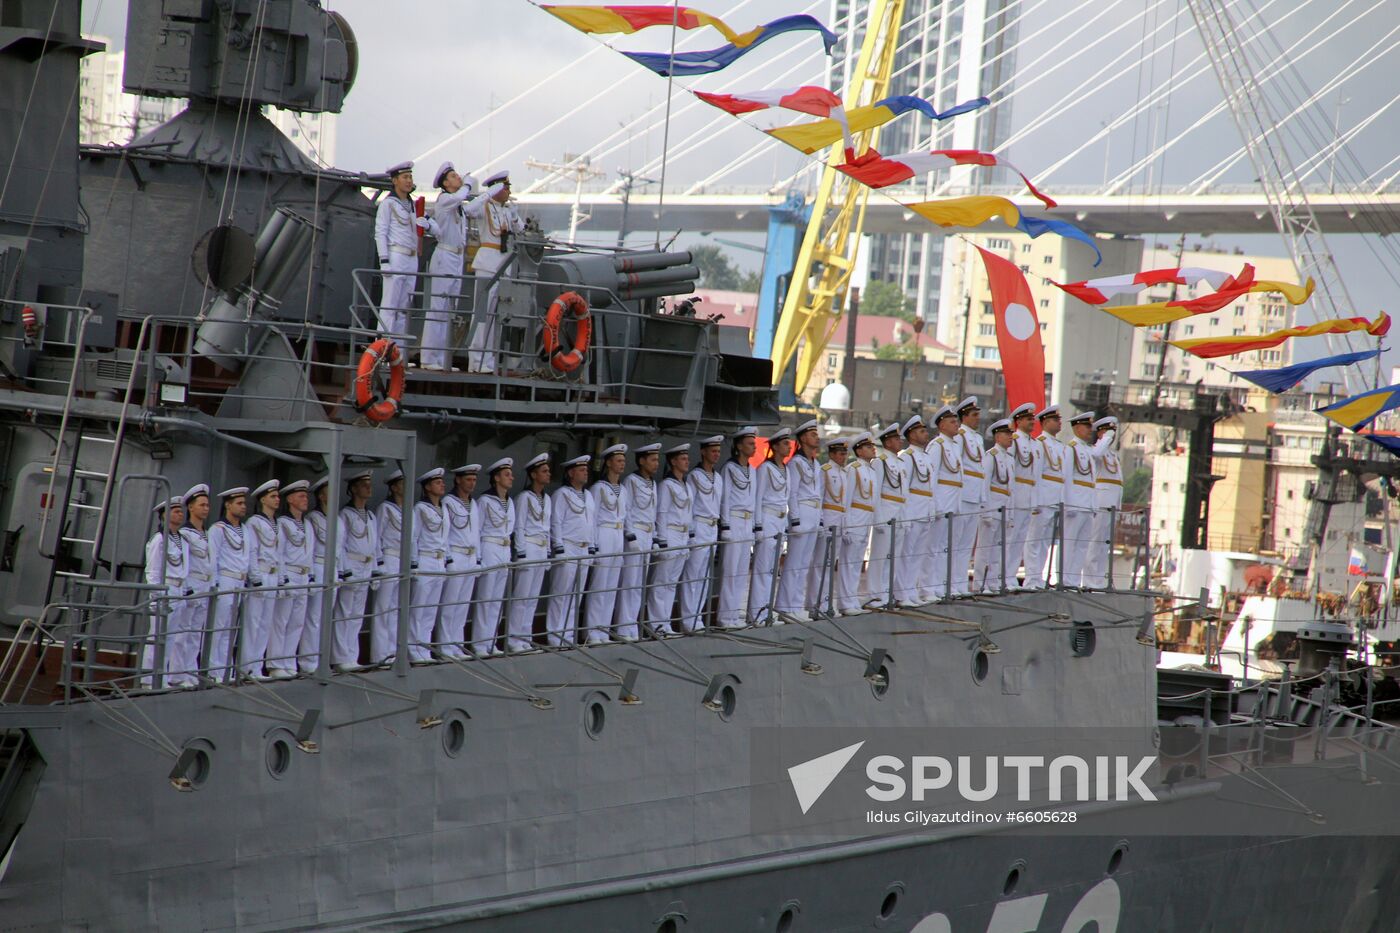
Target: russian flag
[1356, 566]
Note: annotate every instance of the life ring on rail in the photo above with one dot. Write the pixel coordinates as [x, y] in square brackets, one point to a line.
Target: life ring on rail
[379, 408]
[566, 361]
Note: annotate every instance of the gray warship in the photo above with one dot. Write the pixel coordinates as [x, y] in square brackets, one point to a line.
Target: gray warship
[192, 307]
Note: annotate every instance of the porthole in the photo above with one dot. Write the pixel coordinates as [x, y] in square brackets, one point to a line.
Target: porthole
[890, 904]
[279, 754]
[1083, 639]
[595, 714]
[454, 732]
[981, 665]
[1115, 860]
[199, 768]
[1013, 877]
[786, 919]
[667, 926]
[193, 766]
[728, 702]
[880, 683]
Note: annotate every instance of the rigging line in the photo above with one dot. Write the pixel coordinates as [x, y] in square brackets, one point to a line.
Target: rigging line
[1142, 66]
[248, 111]
[28, 102]
[1171, 88]
[666, 130]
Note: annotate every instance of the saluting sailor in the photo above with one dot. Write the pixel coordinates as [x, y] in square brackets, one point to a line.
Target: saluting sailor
[609, 499]
[974, 491]
[449, 228]
[707, 501]
[987, 566]
[295, 553]
[863, 496]
[887, 540]
[1049, 496]
[1025, 467]
[1080, 496]
[200, 580]
[945, 450]
[358, 560]
[738, 523]
[309, 652]
[532, 519]
[1108, 499]
[675, 510]
[388, 519]
[264, 575]
[396, 240]
[804, 482]
[639, 538]
[167, 566]
[464, 544]
[498, 221]
[771, 501]
[431, 562]
[497, 527]
[823, 588]
[573, 535]
[919, 580]
[229, 546]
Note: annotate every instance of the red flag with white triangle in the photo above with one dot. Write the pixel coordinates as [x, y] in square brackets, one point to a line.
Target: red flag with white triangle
[1018, 332]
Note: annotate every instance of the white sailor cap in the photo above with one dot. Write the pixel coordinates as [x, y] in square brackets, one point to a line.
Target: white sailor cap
[497, 177]
[891, 428]
[466, 468]
[746, 431]
[267, 487]
[196, 491]
[316, 486]
[300, 485]
[1047, 412]
[393, 477]
[678, 450]
[1001, 424]
[782, 434]
[234, 493]
[911, 424]
[614, 449]
[947, 411]
[176, 501]
[356, 477]
[504, 463]
[582, 460]
[968, 404]
[442, 171]
[434, 473]
[398, 169]
[1107, 421]
[864, 437]
[1084, 417]
[716, 441]
[1025, 409]
[839, 441]
[538, 460]
[809, 425]
[646, 449]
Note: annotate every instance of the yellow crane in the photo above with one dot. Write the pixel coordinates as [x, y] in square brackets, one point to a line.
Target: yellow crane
[822, 275]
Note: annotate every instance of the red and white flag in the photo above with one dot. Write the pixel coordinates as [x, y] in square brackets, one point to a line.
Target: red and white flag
[1099, 291]
[1018, 332]
[809, 98]
[879, 171]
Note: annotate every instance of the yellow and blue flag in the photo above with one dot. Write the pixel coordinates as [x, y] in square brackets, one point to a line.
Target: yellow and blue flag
[1360, 410]
[811, 137]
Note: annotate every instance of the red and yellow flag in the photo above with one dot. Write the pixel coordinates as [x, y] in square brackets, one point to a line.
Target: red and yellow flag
[1211, 347]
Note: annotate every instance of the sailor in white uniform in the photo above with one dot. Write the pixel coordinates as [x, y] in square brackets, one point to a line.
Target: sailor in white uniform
[639, 539]
[707, 501]
[573, 535]
[309, 651]
[1080, 496]
[804, 503]
[449, 227]
[432, 560]
[167, 566]
[738, 522]
[264, 575]
[887, 538]
[497, 526]
[974, 491]
[674, 522]
[228, 541]
[200, 580]
[823, 584]
[358, 561]
[1108, 499]
[295, 553]
[945, 453]
[464, 544]
[388, 585]
[396, 229]
[919, 579]
[771, 507]
[863, 496]
[987, 572]
[1049, 497]
[498, 221]
[532, 520]
[1025, 468]
[609, 499]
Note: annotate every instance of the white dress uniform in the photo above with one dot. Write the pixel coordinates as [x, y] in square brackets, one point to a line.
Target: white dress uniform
[497, 527]
[432, 561]
[707, 500]
[674, 519]
[229, 544]
[1049, 496]
[384, 634]
[610, 508]
[167, 565]
[493, 220]
[449, 228]
[532, 518]
[359, 557]
[946, 454]
[864, 496]
[264, 575]
[771, 499]
[1108, 499]
[295, 554]
[1025, 467]
[464, 544]
[887, 540]
[573, 535]
[987, 563]
[974, 496]
[917, 580]
[639, 532]
[309, 652]
[396, 239]
[804, 503]
[823, 587]
[738, 513]
[200, 580]
[1079, 508]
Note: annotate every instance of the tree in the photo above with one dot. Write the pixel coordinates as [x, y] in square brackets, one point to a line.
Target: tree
[1137, 486]
[906, 350]
[716, 269]
[885, 299]
[750, 281]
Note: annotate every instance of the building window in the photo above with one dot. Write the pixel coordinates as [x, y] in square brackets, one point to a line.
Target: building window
[986, 307]
[1289, 494]
[877, 395]
[1044, 326]
[1045, 302]
[987, 353]
[986, 330]
[1239, 310]
[831, 361]
[1215, 322]
[932, 375]
[1024, 268]
[1047, 259]
[1025, 247]
[998, 243]
[1189, 329]
[877, 371]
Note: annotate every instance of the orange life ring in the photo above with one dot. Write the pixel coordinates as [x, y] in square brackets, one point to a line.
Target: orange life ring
[566, 361]
[379, 408]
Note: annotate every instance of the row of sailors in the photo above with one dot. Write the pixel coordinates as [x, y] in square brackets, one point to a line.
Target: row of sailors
[637, 549]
